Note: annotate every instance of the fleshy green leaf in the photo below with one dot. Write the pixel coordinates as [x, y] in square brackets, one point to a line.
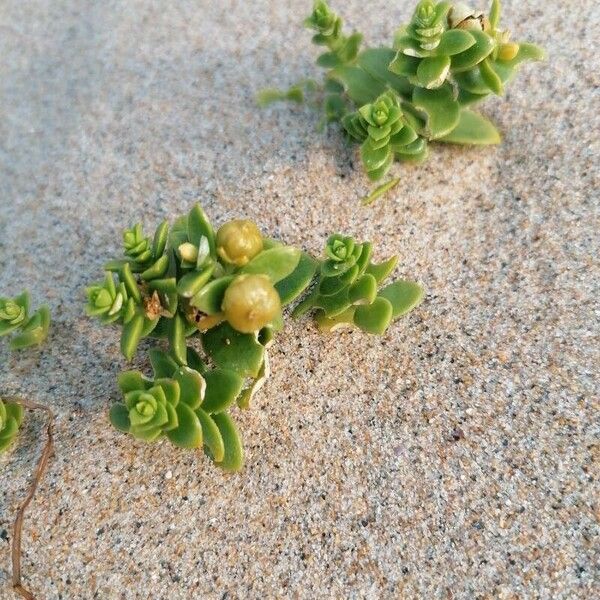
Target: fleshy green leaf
[374, 318]
[35, 331]
[161, 235]
[483, 47]
[10, 430]
[131, 286]
[454, 41]
[403, 296]
[363, 291]
[195, 362]
[162, 364]
[119, 417]
[234, 451]
[490, 77]
[376, 62]
[177, 339]
[341, 321]
[210, 298]
[432, 72]
[191, 385]
[495, 14]
[360, 86]
[157, 270]
[247, 395]
[131, 335]
[230, 349]
[189, 432]
[472, 128]
[527, 52]
[290, 287]
[382, 270]
[14, 410]
[276, 263]
[198, 225]
[222, 388]
[192, 283]
[442, 110]
[130, 381]
[374, 158]
[404, 65]
[171, 391]
[212, 436]
[329, 60]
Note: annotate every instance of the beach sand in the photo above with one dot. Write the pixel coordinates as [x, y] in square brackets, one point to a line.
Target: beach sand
[453, 458]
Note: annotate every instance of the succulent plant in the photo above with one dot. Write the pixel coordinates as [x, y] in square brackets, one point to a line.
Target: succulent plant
[228, 290]
[185, 405]
[11, 417]
[382, 129]
[446, 59]
[328, 27]
[27, 330]
[346, 292]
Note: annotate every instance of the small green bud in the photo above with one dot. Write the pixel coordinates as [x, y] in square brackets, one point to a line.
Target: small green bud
[339, 248]
[508, 51]
[144, 409]
[137, 247]
[106, 300]
[322, 19]
[238, 242]
[10, 311]
[188, 252]
[425, 13]
[250, 303]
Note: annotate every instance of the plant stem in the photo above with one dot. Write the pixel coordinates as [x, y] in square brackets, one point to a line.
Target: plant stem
[39, 473]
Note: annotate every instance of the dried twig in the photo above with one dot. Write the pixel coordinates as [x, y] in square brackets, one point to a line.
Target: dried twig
[39, 473]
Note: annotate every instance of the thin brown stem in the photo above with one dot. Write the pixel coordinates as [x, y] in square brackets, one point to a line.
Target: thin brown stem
[39, 473]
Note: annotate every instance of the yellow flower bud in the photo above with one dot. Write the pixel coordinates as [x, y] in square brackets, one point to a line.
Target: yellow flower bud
[188, 252]
[508, 51]
[250, 303]
[238, 242]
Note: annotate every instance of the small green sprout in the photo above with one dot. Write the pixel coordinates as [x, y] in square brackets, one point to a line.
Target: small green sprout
[27, 330]
[346, 292]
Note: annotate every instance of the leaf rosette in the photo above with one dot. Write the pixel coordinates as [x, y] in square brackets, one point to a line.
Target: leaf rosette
[28, 330]
[11, 417]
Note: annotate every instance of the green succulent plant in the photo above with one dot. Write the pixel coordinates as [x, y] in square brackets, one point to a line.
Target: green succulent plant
[11, 417]
[26, 330]
[328, 27]
[228, 290]
[187, 405]
[347, 292]
[384, 133]
[445, 60]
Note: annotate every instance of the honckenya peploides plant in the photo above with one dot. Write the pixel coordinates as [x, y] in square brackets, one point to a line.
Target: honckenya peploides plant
[227, 289]
[394, 100]
[28, 330]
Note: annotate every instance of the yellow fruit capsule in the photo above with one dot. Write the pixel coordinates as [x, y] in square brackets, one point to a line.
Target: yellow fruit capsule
[238, 242]
[250, 303]
[508, 51]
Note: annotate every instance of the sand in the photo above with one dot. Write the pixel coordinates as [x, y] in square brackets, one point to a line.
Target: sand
[455, 457]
